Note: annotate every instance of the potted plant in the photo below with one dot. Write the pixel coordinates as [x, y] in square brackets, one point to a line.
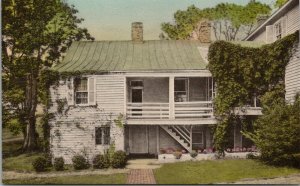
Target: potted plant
[177, 154]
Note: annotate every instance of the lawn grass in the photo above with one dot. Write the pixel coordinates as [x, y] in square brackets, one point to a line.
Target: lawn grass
[19, 163]
[207, 172]
[84, 179]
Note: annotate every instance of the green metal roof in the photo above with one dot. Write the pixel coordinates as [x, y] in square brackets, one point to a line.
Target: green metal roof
[105, 56]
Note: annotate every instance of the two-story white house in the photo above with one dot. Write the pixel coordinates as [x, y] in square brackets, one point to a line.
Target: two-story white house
[143, 96]
[284, 21]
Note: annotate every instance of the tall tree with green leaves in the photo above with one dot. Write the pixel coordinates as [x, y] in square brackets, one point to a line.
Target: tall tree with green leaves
[280, 3]
[229, 21]
[35, 34]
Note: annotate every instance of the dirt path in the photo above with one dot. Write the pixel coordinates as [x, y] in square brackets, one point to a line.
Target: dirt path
[8, 175]
[291, 179]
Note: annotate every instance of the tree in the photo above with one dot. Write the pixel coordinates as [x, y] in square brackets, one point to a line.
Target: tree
[277, 132]
[228, 20]
[280, 3]
[35, 33]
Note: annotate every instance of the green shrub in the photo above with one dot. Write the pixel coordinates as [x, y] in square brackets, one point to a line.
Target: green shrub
[251, 156]
[119, 159]
[59, 164]
[101, 161]
[39, 164]
[80, 162]
[48, 158]
[193, 154]
[277, 132]
[297, 160]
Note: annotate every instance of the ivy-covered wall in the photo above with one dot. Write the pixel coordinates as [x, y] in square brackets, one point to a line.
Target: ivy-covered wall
[243, 72]
[72, 128]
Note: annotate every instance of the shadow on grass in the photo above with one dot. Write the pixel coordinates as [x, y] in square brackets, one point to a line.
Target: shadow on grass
[12, 148]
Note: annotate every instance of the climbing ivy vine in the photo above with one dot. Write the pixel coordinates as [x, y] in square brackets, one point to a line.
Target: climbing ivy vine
[242, 73]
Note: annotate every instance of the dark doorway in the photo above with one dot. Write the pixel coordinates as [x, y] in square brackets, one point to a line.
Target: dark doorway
[137, 97]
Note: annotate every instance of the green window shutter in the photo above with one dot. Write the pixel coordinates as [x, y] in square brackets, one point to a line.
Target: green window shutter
[92, 92]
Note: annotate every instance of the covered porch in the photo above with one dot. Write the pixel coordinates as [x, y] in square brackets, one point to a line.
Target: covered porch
[169, 98]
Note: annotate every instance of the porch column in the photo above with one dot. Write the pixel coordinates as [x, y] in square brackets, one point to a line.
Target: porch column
[171, 98]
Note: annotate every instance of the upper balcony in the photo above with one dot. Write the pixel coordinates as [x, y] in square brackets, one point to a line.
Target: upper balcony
[169, 98]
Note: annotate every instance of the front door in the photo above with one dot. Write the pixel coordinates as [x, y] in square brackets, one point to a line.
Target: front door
[138, 140]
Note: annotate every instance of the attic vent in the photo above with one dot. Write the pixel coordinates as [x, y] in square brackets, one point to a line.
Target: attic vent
[204, 53]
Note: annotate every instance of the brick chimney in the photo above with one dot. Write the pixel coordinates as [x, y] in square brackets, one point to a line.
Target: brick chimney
[204, 32]
[137, 32]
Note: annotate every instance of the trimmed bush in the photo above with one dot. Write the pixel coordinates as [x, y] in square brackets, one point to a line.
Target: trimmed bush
[119, 159]
[193, 154]
[80, 162]
[251, 156]
[101, 161]
[39, 164]
[297, 160]
[59, 164]
[48, 158]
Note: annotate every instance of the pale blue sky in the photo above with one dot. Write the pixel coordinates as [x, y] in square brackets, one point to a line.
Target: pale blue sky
[111, 19]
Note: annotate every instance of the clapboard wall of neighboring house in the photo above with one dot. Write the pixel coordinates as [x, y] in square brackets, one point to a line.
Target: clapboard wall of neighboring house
[73, 131]
[289, 17]
[292, 76]
[293, 19]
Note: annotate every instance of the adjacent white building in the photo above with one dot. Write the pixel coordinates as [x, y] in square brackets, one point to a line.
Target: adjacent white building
[284, 21]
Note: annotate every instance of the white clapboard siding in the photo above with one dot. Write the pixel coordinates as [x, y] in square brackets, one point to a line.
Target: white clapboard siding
[293, 20]
[292, 76]
[110, 93]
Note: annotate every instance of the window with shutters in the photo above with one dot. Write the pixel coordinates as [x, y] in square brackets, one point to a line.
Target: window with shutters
[102, 135]
[81, 91]
[278, 29]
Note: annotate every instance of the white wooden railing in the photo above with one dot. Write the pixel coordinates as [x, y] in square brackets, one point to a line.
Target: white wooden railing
[199, 109]
[148, 110]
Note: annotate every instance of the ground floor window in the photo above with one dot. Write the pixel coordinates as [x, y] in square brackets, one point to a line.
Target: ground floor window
[102, 135]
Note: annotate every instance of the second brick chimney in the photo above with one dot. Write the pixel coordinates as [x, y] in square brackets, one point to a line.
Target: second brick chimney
[137, 32]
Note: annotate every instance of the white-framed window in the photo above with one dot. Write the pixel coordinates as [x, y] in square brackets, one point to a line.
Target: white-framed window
[84, 91]
[81, 91]
[102, 135]
[278, 27]
[181, 89]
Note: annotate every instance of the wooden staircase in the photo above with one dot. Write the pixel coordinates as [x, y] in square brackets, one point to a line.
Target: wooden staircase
[181, 134]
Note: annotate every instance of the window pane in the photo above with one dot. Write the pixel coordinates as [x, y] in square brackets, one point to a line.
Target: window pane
[81, 84]
[180, 85]
[98, 136]
[137, 83]
[81, 97]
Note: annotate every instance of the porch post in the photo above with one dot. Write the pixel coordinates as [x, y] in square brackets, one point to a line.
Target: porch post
[171, 98]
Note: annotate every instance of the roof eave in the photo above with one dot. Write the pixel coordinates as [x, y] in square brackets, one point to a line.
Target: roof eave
[286, 5]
